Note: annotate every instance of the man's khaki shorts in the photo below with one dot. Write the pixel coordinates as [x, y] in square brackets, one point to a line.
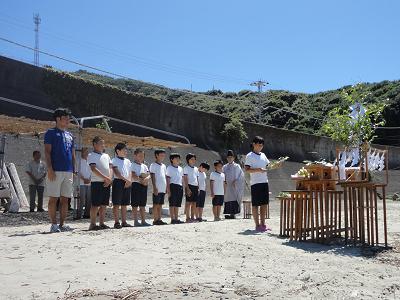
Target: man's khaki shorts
[62, 186]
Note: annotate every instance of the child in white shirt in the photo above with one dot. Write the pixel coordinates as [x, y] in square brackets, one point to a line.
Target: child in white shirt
[158, 178]
[140, 181]
[217, 186]
[101, 179]
[202, 176]
[121, 187]
[174, 187]
[191, 182]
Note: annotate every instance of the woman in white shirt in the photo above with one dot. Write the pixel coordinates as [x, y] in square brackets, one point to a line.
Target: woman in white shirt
[256, 165]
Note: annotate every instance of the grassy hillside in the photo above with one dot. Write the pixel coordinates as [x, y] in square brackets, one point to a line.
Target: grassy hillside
[274, 107]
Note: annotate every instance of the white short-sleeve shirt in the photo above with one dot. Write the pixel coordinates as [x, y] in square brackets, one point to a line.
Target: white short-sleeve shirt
[159, 171]
[175, 174]
[123, 165]
[219, 182]
[254, 161]
[85, 171]
[192, 174]
[102, 162]
[202, 181]
[139, 169]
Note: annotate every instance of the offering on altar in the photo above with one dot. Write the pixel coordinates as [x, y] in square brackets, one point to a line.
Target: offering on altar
[301, 174]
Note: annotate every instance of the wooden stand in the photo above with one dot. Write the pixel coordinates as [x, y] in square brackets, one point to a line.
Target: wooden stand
[247, 212]
[317, 212]
[361, 212]
[247, 209]
[319, 216]
[311, 215]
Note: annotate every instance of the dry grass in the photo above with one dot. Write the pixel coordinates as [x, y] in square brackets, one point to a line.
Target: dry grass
[29, 127]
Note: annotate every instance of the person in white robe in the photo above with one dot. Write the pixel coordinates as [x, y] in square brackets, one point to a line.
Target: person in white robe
[234, 177]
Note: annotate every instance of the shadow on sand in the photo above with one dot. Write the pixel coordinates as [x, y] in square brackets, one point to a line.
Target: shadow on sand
[336, 247]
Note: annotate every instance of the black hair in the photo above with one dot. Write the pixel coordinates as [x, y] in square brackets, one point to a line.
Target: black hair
[230, 153]
[174, 155]
[119, 146]
[217, 162]
[35, 152]
[97, 139]
[60, 112]
[189, 156]
[138, 150]
[158, 151]
[257, 140]
[205, 165]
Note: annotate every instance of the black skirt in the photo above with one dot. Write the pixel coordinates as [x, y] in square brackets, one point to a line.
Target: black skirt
[231, 208]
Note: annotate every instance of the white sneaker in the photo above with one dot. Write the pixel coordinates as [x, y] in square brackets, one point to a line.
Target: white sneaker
[54, 228]
[65, 228]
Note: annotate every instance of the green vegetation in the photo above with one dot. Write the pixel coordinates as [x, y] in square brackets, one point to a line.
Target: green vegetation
[354, 130]
[233, 133]
[289, 110]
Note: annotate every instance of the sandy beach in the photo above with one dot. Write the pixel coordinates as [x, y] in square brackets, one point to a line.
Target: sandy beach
[210, 260]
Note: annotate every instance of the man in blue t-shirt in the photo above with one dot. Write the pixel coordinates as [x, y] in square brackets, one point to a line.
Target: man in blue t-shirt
[60, 160]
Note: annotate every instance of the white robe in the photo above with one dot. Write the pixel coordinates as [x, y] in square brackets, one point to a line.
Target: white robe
[234, 178]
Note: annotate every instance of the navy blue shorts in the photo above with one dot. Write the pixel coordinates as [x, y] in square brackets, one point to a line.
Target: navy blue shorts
[100, 194]
[259, 194]
[159, 199]
[201, 199]
[195, 193]
[138, 195]
[175, 200]
[120, 194]
[218, 200]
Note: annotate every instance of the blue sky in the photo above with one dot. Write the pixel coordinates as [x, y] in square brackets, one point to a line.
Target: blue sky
[306, 46]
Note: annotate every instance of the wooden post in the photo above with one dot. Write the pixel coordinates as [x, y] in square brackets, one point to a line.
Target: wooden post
[346, 213]
[376, 215]
[368, 208]
[281, 220]
[292, 204]
[311, 199]
[384, 216]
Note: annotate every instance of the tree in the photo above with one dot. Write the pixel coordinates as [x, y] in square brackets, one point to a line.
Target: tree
[233, 133]
[354, 130]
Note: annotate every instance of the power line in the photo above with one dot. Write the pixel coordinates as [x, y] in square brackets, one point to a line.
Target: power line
[128, 78]
[64, 59]
[149, 63]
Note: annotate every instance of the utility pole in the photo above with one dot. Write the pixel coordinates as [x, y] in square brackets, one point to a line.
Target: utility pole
[259, 84]
[36, 21]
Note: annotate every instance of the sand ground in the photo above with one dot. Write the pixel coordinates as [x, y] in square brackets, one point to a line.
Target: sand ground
[211, 260]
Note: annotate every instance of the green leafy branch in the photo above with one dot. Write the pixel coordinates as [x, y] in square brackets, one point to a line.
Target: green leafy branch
[353, 132]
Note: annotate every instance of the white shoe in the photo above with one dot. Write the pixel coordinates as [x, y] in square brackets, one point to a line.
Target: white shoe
[54, 228]
[65, 228]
